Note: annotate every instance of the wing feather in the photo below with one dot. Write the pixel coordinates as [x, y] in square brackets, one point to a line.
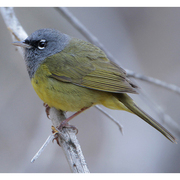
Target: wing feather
[83, 64]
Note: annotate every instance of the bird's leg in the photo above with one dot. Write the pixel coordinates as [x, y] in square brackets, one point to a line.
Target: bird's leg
[64, 122]
[47, 108]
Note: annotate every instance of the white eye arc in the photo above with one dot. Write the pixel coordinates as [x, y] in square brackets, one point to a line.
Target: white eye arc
[42, 44]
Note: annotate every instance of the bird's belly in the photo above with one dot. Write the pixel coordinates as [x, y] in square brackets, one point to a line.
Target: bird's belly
[65, 96]
[69, 97]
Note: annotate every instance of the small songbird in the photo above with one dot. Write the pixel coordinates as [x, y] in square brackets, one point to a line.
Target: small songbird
[74, 75]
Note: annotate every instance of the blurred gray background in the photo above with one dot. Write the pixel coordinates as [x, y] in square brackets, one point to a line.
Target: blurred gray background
[145, 40]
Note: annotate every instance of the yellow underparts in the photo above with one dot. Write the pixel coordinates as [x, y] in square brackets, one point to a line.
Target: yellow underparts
[70, 97]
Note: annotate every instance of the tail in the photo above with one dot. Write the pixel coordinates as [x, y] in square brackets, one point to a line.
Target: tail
[129, 103]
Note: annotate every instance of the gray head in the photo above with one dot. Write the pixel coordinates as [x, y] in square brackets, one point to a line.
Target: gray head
[41, 44]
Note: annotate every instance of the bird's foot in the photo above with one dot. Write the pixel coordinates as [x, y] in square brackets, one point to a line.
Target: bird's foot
[47, 108]
[64, 124]
[55, 133]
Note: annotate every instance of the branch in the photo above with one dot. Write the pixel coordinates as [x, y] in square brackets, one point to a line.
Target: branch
[110, 117]
[66, 138]
[69, 143]
[155, 81]
[13, 25]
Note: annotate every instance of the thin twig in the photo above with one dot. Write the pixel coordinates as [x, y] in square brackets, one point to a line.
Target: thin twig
[155, 81]
[13, 25]
[110, 117]
[70, 144]
[48, 140]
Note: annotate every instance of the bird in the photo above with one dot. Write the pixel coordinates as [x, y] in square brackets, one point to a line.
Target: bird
[70, 74]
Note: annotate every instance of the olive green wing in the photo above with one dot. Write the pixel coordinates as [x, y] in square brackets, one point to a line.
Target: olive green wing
[85, 65]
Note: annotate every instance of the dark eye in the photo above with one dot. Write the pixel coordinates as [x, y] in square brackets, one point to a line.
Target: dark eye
[42, 44]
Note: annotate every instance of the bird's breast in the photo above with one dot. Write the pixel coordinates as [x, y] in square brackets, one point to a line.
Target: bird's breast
[62, 95]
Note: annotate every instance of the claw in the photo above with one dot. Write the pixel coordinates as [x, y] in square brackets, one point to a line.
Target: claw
[55, 133]
[47, 108]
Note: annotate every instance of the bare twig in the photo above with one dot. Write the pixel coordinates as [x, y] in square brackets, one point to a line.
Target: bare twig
[48, 140]
[155, 81]
[13, 25]
[110, 117]
[70, 144]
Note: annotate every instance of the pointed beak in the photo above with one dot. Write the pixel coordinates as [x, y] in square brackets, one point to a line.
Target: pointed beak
[21, 44]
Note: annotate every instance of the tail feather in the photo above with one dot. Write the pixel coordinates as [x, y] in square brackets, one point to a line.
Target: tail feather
[129, 103]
